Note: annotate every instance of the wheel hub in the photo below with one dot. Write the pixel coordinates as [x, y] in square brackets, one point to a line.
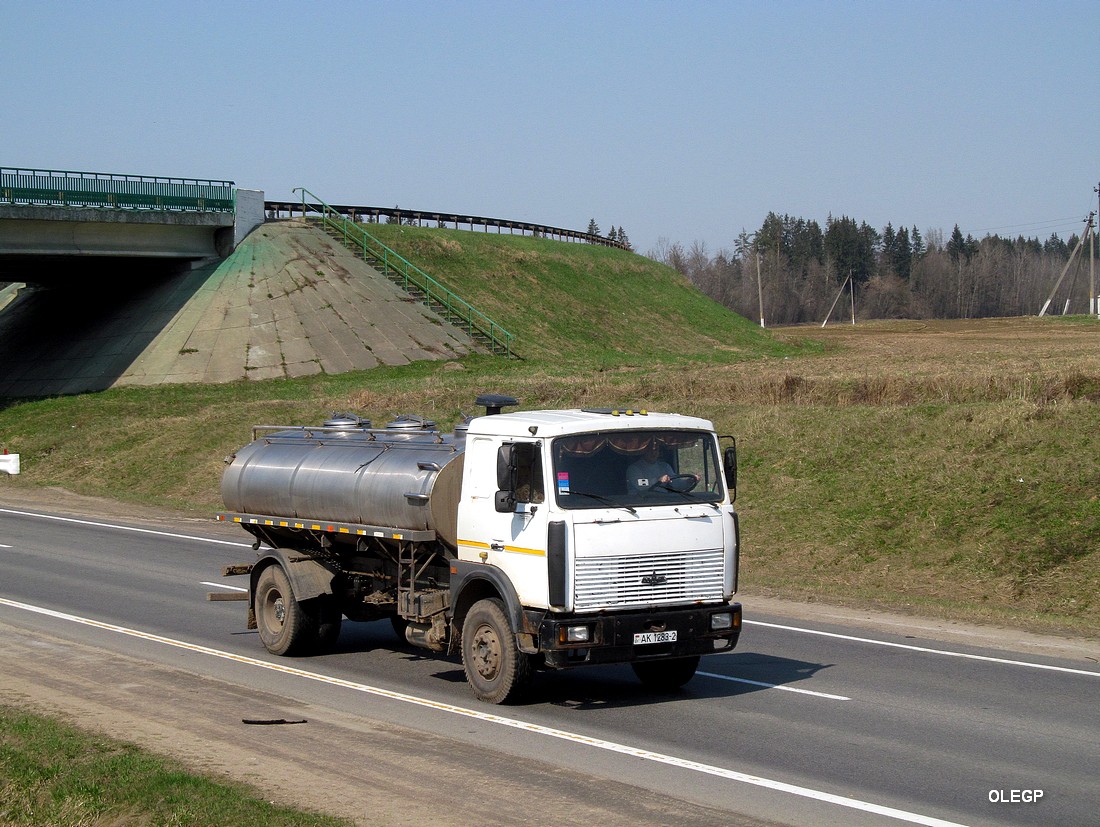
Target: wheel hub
[487, 653]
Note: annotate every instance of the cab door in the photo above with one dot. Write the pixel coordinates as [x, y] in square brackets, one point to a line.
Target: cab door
[503, 515]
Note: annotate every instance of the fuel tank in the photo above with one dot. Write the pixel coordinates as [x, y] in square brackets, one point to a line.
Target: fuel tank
[407, 475]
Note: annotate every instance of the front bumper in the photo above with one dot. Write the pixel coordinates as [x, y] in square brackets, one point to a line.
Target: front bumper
[612, 635]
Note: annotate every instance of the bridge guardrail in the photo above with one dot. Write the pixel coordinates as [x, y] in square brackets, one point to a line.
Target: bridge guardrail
[63, 188]
[277, 209]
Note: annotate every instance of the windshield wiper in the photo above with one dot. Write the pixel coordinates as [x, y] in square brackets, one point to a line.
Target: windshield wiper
[604, 500]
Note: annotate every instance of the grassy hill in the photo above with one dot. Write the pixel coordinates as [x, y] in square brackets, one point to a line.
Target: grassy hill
[947, 471]
[564, 301]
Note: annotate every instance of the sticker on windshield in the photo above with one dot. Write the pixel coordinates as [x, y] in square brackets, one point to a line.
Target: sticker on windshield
[563, 482]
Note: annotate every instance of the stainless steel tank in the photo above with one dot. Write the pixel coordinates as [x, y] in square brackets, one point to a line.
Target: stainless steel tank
[406, 476]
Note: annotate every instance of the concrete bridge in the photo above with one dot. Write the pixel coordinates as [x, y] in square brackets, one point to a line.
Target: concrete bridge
[112, 280]
[48, 218]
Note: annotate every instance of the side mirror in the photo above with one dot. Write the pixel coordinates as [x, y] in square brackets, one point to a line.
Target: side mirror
[519, 475]
[729, 466]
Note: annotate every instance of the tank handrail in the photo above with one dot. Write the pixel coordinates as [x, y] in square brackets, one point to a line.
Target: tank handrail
[373, 433]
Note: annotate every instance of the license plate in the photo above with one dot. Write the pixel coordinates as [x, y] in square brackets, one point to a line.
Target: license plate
[642, 638]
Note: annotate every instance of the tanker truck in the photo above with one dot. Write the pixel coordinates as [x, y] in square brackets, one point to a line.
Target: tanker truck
[521, 541]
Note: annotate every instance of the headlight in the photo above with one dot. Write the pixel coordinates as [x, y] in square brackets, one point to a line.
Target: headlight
[576, 634]
[721, 621]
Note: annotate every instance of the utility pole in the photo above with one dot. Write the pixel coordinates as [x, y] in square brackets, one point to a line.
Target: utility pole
[1069, 262]
[847, 281]
[759, 290]
[1093, 309]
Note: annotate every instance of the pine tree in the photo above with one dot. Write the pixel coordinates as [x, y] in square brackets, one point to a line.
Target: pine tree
[889, 239]
[850, 248]
[916, 243]
[593, 227]
[956, 247]
[902, 258]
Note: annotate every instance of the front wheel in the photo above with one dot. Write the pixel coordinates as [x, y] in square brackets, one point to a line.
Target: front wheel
[666, 675]
[496, 669]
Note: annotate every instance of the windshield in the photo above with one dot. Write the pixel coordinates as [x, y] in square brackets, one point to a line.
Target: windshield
[636, 468]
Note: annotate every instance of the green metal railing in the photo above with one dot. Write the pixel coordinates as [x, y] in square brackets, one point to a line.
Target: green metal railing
[61, 188]
[399, 269]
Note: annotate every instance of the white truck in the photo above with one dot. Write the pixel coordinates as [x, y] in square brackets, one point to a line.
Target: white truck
[521, 541]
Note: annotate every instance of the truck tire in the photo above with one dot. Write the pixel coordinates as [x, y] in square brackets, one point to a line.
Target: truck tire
[399, 625]
[666, 675]
[279, 617]
[324, 615]
[495, 668]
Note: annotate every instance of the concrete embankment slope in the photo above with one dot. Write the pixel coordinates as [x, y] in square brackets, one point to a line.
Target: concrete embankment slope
[289, 301]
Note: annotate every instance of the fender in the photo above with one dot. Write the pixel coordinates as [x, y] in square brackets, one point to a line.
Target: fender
[471, 582]
[309, 577]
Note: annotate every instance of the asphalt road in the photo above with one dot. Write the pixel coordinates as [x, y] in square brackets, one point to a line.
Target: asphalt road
[808, 722]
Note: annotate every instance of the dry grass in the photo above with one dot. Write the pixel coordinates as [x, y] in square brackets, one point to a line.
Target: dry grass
[947, 468]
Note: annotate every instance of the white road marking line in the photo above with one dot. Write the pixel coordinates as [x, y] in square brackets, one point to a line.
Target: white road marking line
[774, 686]
[489, 717]
[925, 649]
[5, 545]
[123, 528]
[223, 586]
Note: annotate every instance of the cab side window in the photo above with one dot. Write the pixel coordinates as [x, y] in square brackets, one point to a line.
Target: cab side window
[529, 483]
[519, 470]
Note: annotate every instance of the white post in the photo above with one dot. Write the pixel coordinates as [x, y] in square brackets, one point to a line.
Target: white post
[1092, 270]
[759, 290]
[838, 295]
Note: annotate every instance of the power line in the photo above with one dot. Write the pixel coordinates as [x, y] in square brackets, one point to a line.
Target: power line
[1051, 223]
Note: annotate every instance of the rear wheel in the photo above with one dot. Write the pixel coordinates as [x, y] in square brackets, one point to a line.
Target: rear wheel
[666, 675]
[279, 617]
[399, 625]
[288, 627]
[496, 669]
[324, 615]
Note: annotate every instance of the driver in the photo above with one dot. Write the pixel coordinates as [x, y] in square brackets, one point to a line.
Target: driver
[645, 473]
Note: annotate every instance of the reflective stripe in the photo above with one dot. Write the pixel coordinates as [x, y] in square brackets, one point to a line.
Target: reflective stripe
[538, 552]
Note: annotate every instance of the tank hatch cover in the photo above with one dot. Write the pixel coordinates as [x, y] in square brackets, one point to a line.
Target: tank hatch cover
[406, 422]
[346, 420]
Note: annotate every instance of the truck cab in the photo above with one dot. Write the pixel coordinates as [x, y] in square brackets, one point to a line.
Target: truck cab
[610, 536]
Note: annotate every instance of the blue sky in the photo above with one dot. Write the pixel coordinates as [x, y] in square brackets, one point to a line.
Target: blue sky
[685, 121]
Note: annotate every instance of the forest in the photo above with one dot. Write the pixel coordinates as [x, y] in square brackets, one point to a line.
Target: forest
[795, 271]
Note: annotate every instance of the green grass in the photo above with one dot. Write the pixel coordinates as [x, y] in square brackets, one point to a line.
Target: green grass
[975, 511]
[54, 774]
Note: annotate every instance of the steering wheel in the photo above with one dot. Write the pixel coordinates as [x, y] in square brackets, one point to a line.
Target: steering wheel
[681, 483]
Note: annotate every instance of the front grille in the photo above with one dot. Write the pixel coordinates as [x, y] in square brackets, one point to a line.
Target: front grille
[653, 579]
